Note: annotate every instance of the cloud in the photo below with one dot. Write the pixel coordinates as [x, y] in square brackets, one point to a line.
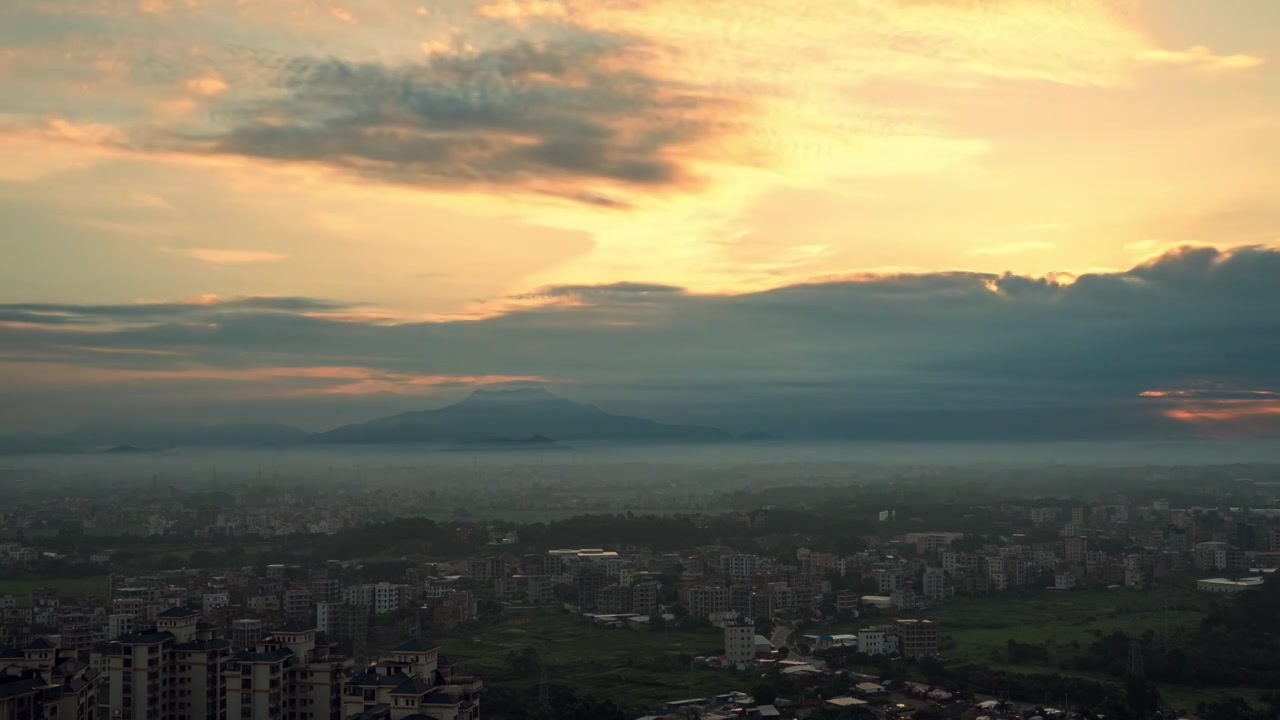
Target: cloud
[1199, 57]
[617, 290]
[227, 256]
[198, 308]
[549, 117]
[523, 9]
[344, 15]
[1013, 248]
[208, 85]
[909, 355]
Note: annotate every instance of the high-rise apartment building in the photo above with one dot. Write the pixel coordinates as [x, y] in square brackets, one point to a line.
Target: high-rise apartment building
[173, 671]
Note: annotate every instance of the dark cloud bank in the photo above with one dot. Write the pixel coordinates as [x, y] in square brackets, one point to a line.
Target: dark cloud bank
[574, 117]
[932, 356]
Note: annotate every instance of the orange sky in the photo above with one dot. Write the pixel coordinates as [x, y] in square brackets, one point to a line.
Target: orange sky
[447, 158]
[834, 136]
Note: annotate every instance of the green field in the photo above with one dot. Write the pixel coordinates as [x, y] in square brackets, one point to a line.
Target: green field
[636, 670]
[977, 630]
[67, 588]
[1067, 622]
[104, 531]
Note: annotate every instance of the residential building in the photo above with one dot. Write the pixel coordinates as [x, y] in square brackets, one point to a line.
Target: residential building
[935, 583]
[246, 633]
[739, 566]
[916, 638]
[214, 600]
[877, 640]
[750, 603]
[590, 578]
[1076, 549]
[613, 599]
[416, 681]
[286, 675]
[298, 603]
[173, 671]
[890, 580]
[644, 598]
[119, 624]
[848, 602]
[739, 642]
[41, 681]
[539, 589]
[704, 601]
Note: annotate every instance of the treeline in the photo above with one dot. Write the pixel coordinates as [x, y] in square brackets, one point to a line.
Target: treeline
[1236, 645]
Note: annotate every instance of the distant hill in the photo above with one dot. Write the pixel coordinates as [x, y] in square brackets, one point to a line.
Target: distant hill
[515, 414]
[132, 438]
[171, 435]
[535, 442]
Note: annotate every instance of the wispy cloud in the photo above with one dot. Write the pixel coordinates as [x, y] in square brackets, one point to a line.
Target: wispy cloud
[1200, 57]
[229, 256]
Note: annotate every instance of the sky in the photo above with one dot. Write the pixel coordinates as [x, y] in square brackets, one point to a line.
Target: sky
[866, 218]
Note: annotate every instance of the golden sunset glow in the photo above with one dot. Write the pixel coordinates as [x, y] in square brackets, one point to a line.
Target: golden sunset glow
[465, 161]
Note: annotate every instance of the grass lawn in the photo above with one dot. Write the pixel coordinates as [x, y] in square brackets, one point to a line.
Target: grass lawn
[637, 670]
[976, 630]
[105, 531]
[67, 588]
[1067, 622]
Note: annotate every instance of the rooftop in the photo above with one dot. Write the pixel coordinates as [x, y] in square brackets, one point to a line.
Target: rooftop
[177, 612]
[415, 646]
[293, 627]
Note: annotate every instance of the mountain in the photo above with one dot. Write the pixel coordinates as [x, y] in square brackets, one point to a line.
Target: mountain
[171, 435]
[759, 436]
[126, 438]
[536, 442]
[515, 414]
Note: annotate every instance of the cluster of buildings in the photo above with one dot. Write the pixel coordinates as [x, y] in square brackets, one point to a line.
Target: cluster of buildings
[179, 666]
[184, 668]
[247, 602]
[908, 637]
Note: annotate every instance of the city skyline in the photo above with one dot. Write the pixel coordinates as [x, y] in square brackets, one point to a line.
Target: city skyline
[1002, 212]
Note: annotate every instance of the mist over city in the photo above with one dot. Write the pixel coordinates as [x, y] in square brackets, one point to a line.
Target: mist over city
[639, 360]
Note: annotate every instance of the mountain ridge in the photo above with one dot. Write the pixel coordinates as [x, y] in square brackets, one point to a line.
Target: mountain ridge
[523, 412]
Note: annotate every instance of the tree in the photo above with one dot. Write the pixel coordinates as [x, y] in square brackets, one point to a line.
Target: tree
[765, 693]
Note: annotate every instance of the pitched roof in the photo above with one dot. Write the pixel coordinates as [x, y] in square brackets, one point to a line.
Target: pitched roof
[294, 626]
[177, 612]
[40, 644]
[146, 638]
[414, 686]
[439, 698]
[413, 645]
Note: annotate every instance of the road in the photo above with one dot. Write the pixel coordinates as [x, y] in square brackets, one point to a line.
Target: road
[781, 634]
